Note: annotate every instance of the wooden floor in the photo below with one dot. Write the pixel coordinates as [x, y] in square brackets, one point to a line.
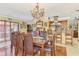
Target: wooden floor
[60, 51]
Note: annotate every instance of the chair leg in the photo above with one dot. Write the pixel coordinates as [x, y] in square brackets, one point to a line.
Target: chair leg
[20, 52]
[23, 53]
[16, 52]
[11, 51]
[52, 52]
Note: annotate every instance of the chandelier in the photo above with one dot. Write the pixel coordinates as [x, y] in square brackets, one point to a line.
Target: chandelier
[37, 13]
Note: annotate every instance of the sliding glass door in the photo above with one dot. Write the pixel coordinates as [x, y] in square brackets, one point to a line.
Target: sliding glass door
[5, 34]
[6, 28]
[2, 31]
[7, 31]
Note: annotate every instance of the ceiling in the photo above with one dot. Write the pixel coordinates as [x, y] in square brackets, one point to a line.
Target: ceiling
[23, 10]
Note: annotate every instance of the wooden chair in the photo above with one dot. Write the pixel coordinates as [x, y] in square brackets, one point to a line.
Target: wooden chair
[14, 44]
[50, 46]
[20, 42]
[69, 37]
[28, 45]
[59, 38]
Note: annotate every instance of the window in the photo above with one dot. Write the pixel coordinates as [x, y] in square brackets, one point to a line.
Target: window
[5, 30]
[2, 32]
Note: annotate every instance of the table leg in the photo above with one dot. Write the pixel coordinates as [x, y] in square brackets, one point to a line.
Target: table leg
[42, 51]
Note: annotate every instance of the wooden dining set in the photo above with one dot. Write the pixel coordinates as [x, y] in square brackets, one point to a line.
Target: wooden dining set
[23, 44]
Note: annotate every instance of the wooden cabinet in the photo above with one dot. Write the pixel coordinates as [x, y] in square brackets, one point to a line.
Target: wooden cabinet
[62, 22]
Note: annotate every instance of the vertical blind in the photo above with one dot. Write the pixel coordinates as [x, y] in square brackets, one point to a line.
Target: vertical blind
[6, 28]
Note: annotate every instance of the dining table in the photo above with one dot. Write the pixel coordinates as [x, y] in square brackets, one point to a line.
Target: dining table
[38, 41]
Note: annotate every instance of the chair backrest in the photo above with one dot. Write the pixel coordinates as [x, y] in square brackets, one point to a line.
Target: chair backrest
[20, 41]
[28, 43]
[50, 37]
[51, 40]
[14, 38]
